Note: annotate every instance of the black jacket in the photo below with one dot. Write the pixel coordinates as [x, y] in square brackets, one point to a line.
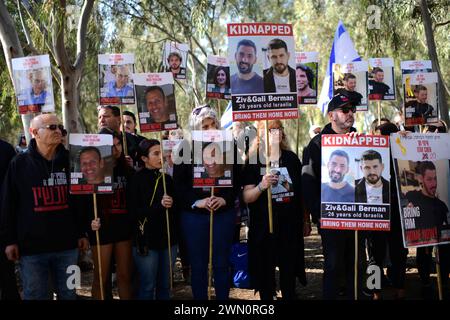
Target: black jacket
[37, 211]
[361, 193]
[144, 184]
[269, 81]
[311, 172]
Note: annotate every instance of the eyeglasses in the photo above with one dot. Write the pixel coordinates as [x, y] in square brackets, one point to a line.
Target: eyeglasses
[197, 110]
[346, 110]
[53, 127]
[440, 129]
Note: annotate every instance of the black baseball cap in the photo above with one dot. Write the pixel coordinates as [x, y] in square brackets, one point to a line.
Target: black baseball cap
[339, 100]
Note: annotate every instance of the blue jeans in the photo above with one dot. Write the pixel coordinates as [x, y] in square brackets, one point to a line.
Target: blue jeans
[153, 272]
[195, 232]
[36, 269]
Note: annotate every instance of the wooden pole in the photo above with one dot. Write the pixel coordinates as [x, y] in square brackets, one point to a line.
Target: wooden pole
[210, 263]
[124, 134]
[379, 112]
[298, 131]
[269, 191]
[356, 264]
[438, 271]
[169, 248]
[99, 256]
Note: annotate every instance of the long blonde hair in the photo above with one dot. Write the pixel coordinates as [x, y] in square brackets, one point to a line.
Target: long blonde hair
[258, 142]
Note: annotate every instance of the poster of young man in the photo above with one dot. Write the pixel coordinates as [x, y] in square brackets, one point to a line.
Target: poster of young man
[175, 59]
[381, 79]
[115, 81]
[415, 66]
[422, 164]
[421, 98]
[213, 158]
[218, 78]
[355, 183]
[91, 163]
[351, 80]
[155, 99]
[33, 84]
[307, 70]
[262, 68]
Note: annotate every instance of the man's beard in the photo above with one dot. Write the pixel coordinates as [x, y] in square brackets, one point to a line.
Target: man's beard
[248, 68]
[373, 178]
[336, 177]
[280, 67]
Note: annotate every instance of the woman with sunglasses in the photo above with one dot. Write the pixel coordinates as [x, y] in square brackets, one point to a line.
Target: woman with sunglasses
[115, 227]
[284, 247]
[147, 206]
[195, 205]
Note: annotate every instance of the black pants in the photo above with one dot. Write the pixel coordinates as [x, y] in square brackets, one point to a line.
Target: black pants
[339, 248]
[8, 285]
[424, 260]
[378, 241]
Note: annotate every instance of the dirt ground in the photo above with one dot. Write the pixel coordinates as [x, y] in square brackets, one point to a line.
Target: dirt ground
[314, 272]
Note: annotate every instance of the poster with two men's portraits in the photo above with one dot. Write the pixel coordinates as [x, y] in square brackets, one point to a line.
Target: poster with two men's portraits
[262, 68]
[355, 189]
[421, 163]
[91, 163]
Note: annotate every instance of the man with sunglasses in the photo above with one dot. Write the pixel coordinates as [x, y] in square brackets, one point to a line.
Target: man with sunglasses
[338, 245]
[41, 228]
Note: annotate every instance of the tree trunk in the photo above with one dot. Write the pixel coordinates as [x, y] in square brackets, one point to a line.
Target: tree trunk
[442, 99]
[70, 101]
[12, 49]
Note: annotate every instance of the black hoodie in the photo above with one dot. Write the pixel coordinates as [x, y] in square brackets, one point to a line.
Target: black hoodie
[37, 214]
[311, 172]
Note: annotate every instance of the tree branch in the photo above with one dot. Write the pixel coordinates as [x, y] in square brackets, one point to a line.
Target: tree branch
[82, 30]
[61, 57]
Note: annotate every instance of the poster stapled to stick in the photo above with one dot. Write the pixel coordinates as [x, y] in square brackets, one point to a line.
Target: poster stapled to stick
[218, 78]
[91, 163]
[350, 79]
[421, 98]
[175, 59]
[307, 71]
[33, 84]
[355, 191]
[155, 99]
[381, 79]
[213, 158]
[115, 78]
[262, 68]
[421, 163]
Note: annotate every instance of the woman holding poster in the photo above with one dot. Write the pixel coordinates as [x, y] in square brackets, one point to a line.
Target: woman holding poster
[285, 247]
[195, 205]
[147, 205]
[114, 225]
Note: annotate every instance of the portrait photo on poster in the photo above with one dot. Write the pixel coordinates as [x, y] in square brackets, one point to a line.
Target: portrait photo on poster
[307, 68]
[351, 80]
[115, 79]
[218, 78]
[421, 98]
[155, 101]
[91, 163]
[33, 84]
[424, 201]
[175, 59]
[381, 79]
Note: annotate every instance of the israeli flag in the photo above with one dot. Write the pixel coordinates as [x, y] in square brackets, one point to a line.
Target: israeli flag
[342, 52]
[227, 118]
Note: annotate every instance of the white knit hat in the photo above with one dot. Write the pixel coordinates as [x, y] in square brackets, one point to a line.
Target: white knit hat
[199, 114]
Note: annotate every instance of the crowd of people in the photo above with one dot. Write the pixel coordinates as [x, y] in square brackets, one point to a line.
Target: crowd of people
[44, 228]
